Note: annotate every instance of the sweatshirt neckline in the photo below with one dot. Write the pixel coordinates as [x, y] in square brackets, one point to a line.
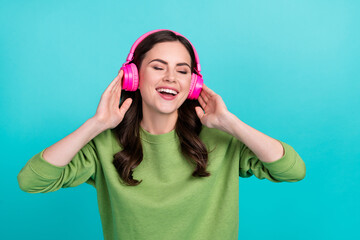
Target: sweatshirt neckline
[158, 138]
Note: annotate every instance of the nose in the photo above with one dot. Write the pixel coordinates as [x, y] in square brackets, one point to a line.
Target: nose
[170, 75]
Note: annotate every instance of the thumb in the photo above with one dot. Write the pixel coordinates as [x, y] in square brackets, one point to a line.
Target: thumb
[199, 112]
[125, 106]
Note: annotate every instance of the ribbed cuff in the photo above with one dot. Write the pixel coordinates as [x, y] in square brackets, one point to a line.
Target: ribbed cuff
[43, 168]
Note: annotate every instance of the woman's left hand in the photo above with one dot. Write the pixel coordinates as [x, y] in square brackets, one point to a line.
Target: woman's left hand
[215, 109]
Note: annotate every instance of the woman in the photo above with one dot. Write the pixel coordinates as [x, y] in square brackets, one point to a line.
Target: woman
[164, 166]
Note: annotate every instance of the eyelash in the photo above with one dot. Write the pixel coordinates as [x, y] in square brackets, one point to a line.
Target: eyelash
[156, 68]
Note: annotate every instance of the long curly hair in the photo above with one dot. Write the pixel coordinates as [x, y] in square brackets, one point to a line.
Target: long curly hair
[188, 125]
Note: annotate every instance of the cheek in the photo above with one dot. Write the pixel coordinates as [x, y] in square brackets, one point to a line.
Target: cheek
[143, 82]
[147, 89]
[188, 84]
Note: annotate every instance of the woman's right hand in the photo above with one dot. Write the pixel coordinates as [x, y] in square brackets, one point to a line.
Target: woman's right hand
[108, 112]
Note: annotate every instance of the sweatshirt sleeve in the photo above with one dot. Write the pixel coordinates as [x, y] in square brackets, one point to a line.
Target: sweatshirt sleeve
[40, 176]
[289, 168]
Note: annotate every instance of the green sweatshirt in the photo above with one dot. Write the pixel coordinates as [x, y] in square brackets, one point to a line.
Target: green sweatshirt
[169, 203]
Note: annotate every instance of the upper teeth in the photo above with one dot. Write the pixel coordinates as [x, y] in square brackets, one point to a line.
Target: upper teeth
[166, 90]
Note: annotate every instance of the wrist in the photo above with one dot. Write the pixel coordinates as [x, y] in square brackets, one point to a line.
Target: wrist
[97, 124]
[227, 122]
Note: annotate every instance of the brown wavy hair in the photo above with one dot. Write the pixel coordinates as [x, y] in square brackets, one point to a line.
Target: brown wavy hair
[188, 125]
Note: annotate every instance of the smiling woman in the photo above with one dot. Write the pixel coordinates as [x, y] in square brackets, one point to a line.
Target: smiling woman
[166, 62]
[163, 166]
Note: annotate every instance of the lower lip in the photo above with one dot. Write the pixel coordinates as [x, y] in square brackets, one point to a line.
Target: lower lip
[167, 97]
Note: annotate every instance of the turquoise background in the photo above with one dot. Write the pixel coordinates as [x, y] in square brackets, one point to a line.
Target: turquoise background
[289, 69]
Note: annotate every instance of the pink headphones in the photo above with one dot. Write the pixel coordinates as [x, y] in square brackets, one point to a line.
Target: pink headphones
[131, 76]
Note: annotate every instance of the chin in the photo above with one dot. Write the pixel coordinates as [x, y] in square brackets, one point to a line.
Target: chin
[169, 107]
[167, 110]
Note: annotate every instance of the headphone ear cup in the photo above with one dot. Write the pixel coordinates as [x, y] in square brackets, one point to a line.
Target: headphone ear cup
[130, 81]
[195, 86]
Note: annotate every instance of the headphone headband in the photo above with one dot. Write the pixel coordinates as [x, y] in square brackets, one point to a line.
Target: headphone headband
[137, 42]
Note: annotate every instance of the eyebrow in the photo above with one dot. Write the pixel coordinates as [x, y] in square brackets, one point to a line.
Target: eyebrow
[164, 62]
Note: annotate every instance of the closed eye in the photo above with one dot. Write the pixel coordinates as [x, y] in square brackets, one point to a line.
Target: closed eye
[183, 72]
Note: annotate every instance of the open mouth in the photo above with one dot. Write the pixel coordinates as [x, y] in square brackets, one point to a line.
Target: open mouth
[167, 92]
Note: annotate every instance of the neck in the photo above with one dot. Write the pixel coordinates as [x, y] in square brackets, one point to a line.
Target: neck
[158, 123]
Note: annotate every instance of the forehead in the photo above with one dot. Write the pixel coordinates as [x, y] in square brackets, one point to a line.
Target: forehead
[169, 51]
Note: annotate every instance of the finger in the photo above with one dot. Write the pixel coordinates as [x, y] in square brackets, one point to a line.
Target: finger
[204, 93]
[117, 78]
[118, 90]
[121, 73]
[208, 91]
[115, 95]
[199, 112]
[125, 106]
[204, 96]
[110, 88]
[116, 86]
[202, 102]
